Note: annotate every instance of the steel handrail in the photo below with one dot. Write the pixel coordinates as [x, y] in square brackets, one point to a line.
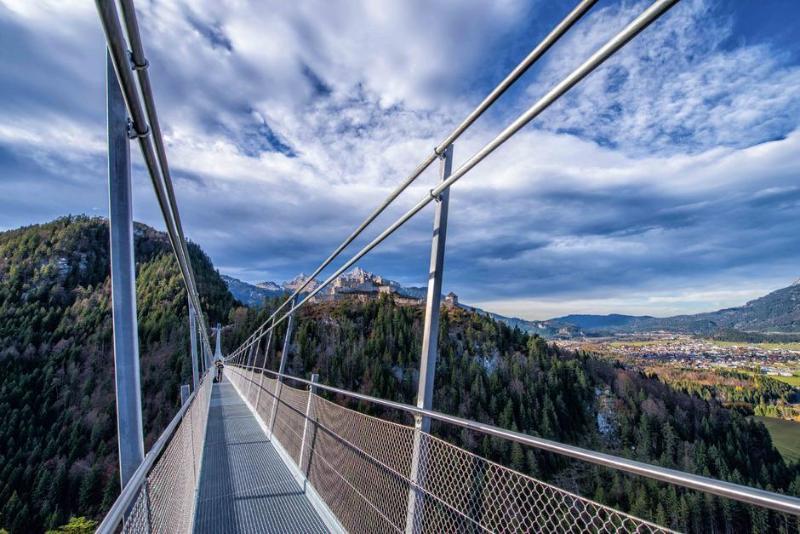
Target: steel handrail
[647, 17]
[140, 64]
[538, 51]
[738, 492]
[129, 493]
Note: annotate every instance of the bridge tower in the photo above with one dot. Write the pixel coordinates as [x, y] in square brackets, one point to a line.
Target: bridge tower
[130, 434]
[218, 349]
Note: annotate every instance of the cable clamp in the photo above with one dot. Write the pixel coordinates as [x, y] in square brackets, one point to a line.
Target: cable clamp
[138, 66]
[437, 198]
[443, 152]
[133, 134]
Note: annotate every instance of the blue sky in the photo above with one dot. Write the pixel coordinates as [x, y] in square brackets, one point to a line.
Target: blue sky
[666, 182]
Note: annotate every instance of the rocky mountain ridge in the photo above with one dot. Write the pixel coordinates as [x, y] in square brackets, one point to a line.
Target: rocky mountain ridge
[361, 283]
[777, 312]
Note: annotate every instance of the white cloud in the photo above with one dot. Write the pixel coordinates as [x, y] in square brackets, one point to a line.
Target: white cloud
[287, 122]
[679, 86]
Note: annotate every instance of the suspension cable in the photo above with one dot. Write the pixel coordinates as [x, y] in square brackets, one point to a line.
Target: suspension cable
[549, 40]
[159, 176]
[647, 17]
[766, 499]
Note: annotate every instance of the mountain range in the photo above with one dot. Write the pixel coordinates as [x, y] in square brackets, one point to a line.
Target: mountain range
[360, 282]
[356, 281]
[253, 295]
[777, 312]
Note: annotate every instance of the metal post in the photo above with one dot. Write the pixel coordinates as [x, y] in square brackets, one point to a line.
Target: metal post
[312, 390]
[218, 350]
[193, 345]
[185, 391]
[251, 360]
[123, 283]
[201, 356]
[430, 347]
[281, 369]
[264, 364]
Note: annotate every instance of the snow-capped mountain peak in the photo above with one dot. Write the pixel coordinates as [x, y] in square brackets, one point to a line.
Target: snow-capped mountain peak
[269, 286]
[298, 281]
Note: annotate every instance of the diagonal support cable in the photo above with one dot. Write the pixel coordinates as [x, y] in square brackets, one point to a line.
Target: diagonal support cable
[550, 39]
[647, 17]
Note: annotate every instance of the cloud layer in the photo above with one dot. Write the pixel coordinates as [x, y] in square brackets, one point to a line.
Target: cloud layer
[664, 183]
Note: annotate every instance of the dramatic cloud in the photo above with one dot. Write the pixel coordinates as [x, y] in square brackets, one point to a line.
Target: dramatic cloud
[679, 87]
[665, 182]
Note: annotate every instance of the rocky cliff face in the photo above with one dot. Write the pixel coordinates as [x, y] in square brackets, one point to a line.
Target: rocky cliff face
[355, 282]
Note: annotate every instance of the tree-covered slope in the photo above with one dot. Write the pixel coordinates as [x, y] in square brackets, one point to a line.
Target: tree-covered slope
[58, 450]
[489, 372]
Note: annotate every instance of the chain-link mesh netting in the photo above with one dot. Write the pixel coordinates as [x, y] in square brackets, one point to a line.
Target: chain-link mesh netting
[289, 420]
[165, 501]
[361, 466]
[464, 492]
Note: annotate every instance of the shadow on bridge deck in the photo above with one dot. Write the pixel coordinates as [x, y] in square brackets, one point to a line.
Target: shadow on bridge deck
[244, 484]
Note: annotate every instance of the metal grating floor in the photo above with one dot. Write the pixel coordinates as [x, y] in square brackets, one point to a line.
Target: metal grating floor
[244, 485]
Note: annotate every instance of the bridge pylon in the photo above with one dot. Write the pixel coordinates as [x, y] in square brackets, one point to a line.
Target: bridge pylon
[218, 349]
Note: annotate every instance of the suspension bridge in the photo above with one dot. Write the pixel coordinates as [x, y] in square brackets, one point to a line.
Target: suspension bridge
[266, 451]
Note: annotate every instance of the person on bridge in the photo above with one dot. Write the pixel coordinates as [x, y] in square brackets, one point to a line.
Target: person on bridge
[220, 366]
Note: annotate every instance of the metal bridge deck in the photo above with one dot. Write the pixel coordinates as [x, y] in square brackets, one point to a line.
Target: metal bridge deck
[244, 484]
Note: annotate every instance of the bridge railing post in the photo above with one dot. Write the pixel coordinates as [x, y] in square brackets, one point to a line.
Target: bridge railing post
[312, 390]
[123, 283]
[185, 392]
[264, 364]
[430, 349]
[251, 361]
[193, 347]
[287, 342]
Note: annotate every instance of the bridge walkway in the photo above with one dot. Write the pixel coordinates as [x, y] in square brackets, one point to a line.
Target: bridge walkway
[244, 485]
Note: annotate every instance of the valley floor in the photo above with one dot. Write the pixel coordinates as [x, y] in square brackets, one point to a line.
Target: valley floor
[785, 436]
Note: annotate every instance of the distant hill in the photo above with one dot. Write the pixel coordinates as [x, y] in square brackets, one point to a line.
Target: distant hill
[542, 328]
[778, 311]
[589, 322]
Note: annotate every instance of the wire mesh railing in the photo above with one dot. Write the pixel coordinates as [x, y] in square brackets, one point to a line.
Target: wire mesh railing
[361, 466]
[161, 495]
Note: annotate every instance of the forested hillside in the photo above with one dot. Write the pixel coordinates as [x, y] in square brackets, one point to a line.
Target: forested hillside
[494, 374]
[58, 451]
[57, 416]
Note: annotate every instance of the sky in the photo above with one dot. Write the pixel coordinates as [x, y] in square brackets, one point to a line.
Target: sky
[664, 183]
